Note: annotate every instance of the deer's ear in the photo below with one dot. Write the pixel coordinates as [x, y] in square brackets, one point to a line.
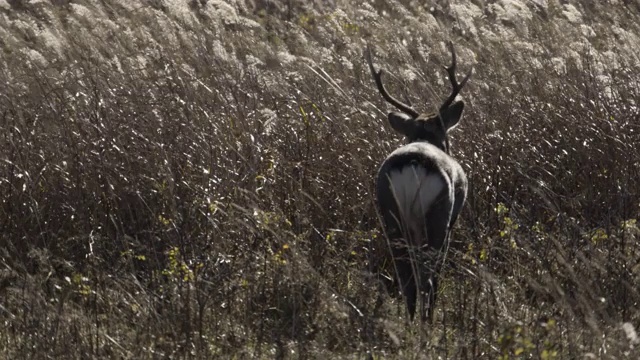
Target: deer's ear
[401, 122]
[451, 115]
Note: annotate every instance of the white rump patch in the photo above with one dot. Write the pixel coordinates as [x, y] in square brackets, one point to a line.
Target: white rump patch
[415, 190]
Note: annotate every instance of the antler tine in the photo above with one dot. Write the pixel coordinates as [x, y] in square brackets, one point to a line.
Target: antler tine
[456, 87]
[377, 76]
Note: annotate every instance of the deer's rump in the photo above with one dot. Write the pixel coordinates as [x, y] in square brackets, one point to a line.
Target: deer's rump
[409, 186]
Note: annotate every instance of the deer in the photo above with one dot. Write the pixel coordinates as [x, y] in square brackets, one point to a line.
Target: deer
[420, 191]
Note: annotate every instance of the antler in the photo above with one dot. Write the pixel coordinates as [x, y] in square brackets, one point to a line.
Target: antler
[456, 87]
[377, 76]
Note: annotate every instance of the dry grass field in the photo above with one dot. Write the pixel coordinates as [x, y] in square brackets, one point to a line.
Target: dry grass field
[193, 179]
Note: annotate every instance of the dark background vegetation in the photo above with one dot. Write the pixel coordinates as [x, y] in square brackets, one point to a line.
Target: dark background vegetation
[193, 179]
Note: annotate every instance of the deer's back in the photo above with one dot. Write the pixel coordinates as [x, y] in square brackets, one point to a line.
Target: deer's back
[411, 180]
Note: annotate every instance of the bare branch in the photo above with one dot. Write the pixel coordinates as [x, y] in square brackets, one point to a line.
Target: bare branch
[377, 76]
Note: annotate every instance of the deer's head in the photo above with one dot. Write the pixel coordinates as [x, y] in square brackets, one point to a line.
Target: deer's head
[431, 128]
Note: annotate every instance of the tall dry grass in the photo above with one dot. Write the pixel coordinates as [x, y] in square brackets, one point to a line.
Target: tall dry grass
[193, 179]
